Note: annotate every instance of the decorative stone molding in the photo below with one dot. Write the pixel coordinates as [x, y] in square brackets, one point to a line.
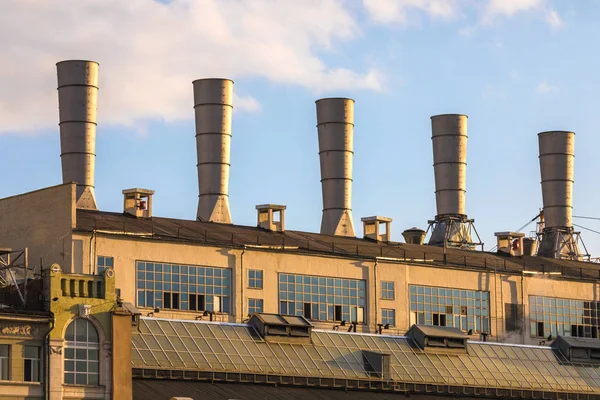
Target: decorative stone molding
[23, 329]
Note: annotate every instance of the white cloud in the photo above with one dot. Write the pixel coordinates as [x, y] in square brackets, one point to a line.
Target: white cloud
[544, 88]
[554, 19]
[149, 53]
[398, 11]
[246, 103]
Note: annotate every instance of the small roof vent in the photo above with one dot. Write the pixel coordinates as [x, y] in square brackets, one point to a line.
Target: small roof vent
[439, 338]
[510, 243]
[414, 235]
[271, 217]
[377, 228]
[579, 349]
[138, 202]
[377, 364]
[282, 328]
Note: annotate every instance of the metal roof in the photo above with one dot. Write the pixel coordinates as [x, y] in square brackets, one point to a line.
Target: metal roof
[171, 229]
[144, 389]
[174, 349]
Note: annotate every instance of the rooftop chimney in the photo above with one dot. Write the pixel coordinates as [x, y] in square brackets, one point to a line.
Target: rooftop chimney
[271, 217]
[213, 107]
[451, 227]
[335, 125]
[557, 159]
[138, 202]
[372, 228]
[77, 103]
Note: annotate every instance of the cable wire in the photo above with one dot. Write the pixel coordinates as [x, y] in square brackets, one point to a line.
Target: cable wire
[579, 216]
[587, 229]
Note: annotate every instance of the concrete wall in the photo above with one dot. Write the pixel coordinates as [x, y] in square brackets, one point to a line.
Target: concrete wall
[503, 288]
[121, 356]
[42, 222]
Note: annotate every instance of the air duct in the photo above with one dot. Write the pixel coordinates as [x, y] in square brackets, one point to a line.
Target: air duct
[335, 125]
[557, 159]
[77, 103]
[213, 108]
[451, 227]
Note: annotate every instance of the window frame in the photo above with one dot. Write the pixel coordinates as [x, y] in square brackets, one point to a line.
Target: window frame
[262, 303]
[254, 281]
[78, 348]
[101, 267]
[393, 311]
[387, 290]
[36, 364]
[5, 359]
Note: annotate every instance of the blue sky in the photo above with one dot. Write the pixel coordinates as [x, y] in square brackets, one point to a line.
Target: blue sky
[515, 67]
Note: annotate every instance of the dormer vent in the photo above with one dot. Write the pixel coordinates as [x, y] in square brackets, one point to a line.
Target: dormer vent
[510, 243]
[377, 228]
[138, 202]
[439, 338]
[282, 328]
[271, 217]
[579, 349]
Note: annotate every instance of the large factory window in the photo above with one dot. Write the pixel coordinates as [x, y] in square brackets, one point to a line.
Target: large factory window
[564, 317]
[183, 287]
[463, 309]
[320, 298]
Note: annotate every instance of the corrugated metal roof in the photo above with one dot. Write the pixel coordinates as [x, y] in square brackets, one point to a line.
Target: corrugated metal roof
[237, 351]
[235, 235]
[145, 389]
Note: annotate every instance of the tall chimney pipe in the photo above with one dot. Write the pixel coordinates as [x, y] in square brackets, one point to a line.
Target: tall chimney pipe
[449, 137]
[451, 227]
[335, 126]
[557, 161]
[213, 108]
[77, 102]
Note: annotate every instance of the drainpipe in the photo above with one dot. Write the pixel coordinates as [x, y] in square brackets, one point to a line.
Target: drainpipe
[92, 272]
[242, 283]
[375, 291]
[47, 354]
[524, 330]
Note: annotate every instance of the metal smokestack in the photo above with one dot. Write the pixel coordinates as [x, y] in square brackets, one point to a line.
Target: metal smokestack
[213, 108]
[77, 103]
[335, 126]
[557, 161]
[451, 226]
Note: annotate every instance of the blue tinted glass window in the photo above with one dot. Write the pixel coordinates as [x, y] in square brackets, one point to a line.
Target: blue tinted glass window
[388, 317]
[104, 262]
[255, 278]
[255, 305]
[549, 316]
[319, 298]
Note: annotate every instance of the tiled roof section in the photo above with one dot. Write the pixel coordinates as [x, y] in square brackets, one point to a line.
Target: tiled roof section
[182, 348]
[236, 235]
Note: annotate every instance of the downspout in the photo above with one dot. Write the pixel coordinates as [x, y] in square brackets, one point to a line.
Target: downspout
[242, 284]
[375, 292]
[92, 272]
[47, 354]
[524, 330]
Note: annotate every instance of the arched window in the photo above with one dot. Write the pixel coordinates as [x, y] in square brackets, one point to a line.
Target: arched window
[81, 353]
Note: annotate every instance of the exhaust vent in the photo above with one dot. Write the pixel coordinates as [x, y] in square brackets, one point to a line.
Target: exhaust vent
[451, 227]
[271, 217]
[414, 235]
[557, 160]
[77, 103]
[335, 125]
[138, 202]
[213, 108]
[377, 228]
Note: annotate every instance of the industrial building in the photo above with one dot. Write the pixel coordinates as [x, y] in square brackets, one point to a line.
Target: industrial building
[357, 296]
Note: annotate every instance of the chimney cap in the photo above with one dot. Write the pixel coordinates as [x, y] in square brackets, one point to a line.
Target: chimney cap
[376, 218]
[270, 206]
[138, 190]
[556, 131]
[449, 115]
[335, 98]
[70, 61]
[212, 79]
[511, 234]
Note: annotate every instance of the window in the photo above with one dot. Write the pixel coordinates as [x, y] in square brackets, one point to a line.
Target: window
[323, 299]
[4, 362]
[387, 290]
[565, 317]
[103, 263]
[81, 353]
[255, 279]
[183, 287]
[31, 358]
[462, 309]
[388, 316]
[255, 305]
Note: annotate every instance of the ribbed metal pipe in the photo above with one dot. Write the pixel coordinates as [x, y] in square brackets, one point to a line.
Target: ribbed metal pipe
[557, 160]
[449, 138]
[213, 108]
[335, 126]
[77, 102]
